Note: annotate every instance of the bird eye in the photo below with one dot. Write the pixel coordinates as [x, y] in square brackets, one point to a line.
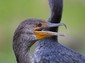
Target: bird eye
[39, 25]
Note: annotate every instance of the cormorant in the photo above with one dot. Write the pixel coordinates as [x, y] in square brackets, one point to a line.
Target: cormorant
[43, 33]
[27, 33]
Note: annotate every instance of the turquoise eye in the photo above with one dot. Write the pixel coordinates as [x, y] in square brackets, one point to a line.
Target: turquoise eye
[39, 25]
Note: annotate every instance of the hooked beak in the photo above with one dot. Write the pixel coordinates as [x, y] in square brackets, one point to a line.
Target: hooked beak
[40, 34]
[56, 25]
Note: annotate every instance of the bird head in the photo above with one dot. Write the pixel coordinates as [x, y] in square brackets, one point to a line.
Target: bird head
[35, 29]
[41, 30]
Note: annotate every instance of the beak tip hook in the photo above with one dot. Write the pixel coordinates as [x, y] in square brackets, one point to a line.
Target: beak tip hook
[64, 25]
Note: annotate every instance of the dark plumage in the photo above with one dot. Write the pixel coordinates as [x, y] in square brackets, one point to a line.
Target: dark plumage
[56, 7]
[48, 49]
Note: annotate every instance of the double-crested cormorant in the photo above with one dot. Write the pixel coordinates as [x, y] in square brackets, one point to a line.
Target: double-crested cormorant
[47, 50]
[27, 33]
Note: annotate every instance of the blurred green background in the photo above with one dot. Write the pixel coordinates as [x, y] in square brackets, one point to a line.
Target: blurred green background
[12, 12]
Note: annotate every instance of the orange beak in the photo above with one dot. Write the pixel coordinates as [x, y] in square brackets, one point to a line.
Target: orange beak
[44, 34]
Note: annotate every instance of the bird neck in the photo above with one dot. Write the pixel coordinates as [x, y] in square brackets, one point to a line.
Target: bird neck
[47, 43]
[56, 7]
[22, 49]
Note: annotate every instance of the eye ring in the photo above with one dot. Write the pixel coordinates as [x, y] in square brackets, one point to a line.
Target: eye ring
[39, 25]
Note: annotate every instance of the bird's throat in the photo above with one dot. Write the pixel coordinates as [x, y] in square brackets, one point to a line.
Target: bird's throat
[47, 43]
